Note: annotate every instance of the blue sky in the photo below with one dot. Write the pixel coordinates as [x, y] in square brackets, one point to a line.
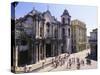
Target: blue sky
[87, 14]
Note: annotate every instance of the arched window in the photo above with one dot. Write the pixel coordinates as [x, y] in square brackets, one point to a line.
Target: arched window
[69, 21]
[23, 42]
[69, 32]
[48, 27]
[63, 20]
[48, 24]
[63, 33]
[41, 31]
[55, 33]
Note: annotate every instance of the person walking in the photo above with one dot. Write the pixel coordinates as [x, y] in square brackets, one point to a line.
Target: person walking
[82, 62]
[25, 68]
[88, 61]
[70, 63]
[43, 64]
[78, 65]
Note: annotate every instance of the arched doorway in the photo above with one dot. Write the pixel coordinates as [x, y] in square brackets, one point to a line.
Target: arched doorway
[48, 50]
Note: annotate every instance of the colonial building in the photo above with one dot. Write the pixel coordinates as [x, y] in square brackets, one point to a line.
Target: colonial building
[39, 36]
[93, 44]
[78, 35]
[87, 42]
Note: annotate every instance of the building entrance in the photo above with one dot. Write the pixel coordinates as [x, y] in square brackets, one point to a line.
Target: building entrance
[23, 58]
[48, 50]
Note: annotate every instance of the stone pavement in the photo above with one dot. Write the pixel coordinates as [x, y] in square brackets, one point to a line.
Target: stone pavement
[80, 55]
[49, 67]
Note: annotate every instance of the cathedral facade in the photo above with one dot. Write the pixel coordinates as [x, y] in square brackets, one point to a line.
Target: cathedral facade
[39, 36]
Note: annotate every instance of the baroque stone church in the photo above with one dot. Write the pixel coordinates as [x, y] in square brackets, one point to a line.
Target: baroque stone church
[39, 36]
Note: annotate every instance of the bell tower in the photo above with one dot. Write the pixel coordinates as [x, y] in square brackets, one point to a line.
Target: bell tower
[65, 18]
[66, 31]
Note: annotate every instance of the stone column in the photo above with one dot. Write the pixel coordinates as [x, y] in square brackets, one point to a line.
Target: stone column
[44, 51]
[37, 29]
[51, 49]
[32, 59]
[58, 48]
[39, 55]
[36, 53]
